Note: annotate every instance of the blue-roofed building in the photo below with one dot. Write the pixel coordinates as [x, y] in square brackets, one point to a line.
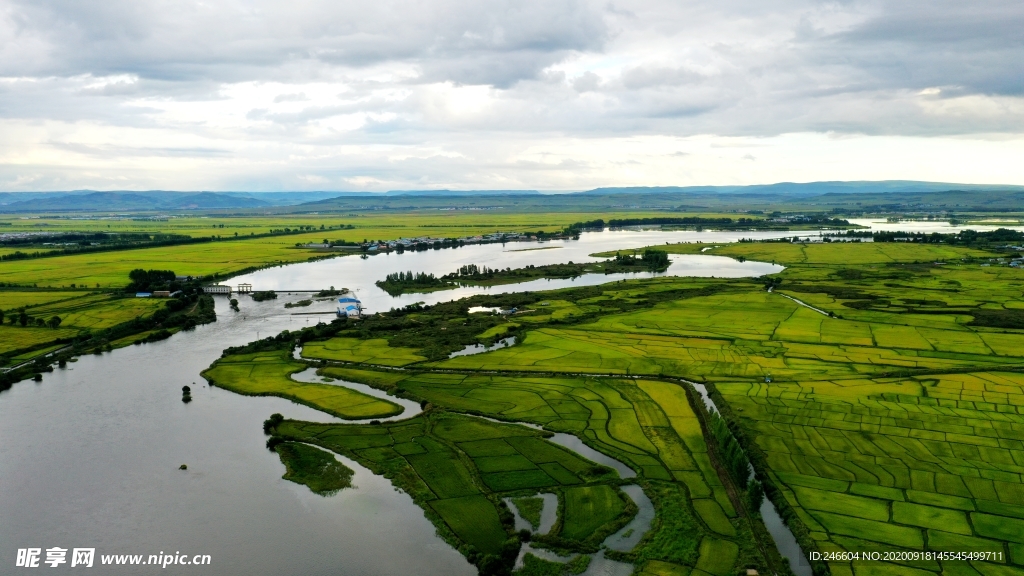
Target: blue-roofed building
[349, 307]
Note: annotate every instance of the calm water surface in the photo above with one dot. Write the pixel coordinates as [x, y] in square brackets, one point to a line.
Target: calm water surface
[90, 459]
[359, 275]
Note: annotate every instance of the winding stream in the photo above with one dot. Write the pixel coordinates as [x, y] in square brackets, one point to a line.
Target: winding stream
[410, 408]
[622, 540]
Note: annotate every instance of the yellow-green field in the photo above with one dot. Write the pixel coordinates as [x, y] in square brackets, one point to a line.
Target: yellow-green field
[5, 251]
[11, 300]
[80, 312]
[412, 223]
[110, 269]
[375, 351]
[18, 338]
[839, 253]
[892, 419]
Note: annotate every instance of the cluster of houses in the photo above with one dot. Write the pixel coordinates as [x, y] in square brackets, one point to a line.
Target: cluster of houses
[1014, 262]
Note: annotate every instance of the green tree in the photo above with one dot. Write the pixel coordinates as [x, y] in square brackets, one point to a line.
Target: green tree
[755, 495]
[53, 322]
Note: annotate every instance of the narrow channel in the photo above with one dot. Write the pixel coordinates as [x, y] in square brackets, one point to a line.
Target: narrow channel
[480, 348]
[409, 407]
[784, 539]
[623, 540]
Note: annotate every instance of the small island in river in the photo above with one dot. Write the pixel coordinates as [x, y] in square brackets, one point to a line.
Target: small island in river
[399, 283]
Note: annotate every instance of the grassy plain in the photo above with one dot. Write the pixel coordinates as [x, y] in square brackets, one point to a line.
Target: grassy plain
[587, 508]
[233, 251]
[435, 223]
[110, 269]
[5, 251]
[19, 299]
[269, 374]
[20, 343]
[373, 351]
[845, 254]
[894, 422]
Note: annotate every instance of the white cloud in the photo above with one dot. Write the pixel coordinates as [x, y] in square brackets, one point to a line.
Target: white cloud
[538, 93]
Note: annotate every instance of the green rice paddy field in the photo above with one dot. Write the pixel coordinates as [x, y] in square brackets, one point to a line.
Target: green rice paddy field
[648, 424]
[456, 466]
[80, 312]
[409, 223]
[890, 420]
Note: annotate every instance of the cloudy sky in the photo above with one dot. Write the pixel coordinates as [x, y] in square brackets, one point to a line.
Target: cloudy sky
[542, 94]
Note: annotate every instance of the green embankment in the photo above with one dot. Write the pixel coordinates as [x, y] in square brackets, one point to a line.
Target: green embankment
[269, 374]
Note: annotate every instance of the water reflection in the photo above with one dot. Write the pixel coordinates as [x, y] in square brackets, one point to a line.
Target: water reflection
[480, 348]
[576, 445]
[409, 407]
[96, 462]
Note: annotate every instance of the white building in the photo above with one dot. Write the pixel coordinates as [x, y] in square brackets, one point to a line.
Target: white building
[349, 307]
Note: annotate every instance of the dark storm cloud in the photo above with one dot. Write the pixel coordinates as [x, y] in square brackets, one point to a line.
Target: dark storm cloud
[976, 46]
[462, 41]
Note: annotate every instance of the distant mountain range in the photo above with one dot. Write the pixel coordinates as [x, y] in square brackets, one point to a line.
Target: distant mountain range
[86, 201]
[159, 200]
[811, 188]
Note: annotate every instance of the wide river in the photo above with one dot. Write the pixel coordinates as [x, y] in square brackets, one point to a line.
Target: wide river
[89, 457]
